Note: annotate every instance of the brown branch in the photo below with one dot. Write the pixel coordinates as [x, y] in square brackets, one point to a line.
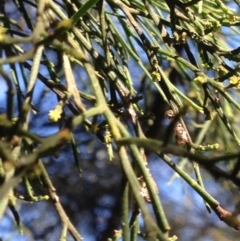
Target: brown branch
[230, 218]
[55, 198]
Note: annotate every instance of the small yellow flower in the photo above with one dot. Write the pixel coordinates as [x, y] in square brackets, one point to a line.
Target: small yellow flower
[234, 80]
[156, 76]
[199, 80]
[55, 114]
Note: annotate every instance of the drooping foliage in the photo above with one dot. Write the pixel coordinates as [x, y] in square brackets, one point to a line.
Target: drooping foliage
[137, 77]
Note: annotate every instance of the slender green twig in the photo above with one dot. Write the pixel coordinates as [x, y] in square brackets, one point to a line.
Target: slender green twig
[71, 83]
[125, 213]
[185, 176]
[159, 212]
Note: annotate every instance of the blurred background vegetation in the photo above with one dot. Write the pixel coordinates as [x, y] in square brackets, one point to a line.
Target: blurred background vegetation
[119, 120]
